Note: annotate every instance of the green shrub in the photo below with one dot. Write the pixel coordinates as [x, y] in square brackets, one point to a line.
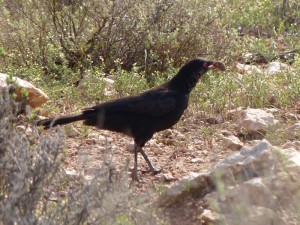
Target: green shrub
[81, 35]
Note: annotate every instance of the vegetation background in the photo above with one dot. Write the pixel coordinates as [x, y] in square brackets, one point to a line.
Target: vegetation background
[57, 44]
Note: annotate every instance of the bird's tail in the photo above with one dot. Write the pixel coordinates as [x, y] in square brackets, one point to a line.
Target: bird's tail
[52, 122]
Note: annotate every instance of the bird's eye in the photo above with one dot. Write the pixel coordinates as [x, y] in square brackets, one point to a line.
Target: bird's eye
[205, 65]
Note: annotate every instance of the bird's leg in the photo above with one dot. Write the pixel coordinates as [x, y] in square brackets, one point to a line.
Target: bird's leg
[152, 168]
[135, 168]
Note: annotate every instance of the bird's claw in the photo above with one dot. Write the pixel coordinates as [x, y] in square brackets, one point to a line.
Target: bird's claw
[152, 170]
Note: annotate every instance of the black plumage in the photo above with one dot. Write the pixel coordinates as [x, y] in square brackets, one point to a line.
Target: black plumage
[142, 115]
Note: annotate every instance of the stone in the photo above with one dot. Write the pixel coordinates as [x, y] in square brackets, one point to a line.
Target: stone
[181, 188]
[272, 110]
[209, 217]
[254, 215]
[256, 121]
[277, 67]
[294, 144]
[36, 97]
[108, 81]
[232, 142]
[245, 155]
[166, 133]
[251, 58]
[197, 160]
[292, 160]
[291, 116]
[181, 137]
[248, 69]
[293, 131]
[109, 87]
[25, 129]
[72, 174]
[258, 185]
[165, 177]
[214, 119]
[251, 192]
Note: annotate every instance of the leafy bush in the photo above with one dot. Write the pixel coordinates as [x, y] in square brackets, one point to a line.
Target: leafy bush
[266, 17]
[57, 35]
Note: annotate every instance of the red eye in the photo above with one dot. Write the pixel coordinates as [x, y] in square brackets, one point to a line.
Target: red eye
[205, 65]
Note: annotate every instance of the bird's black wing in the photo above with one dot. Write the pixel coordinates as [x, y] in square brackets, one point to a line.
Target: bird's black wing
[153, 103]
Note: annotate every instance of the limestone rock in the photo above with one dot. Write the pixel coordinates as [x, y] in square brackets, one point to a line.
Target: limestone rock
[258, 185]
[71, 174]
[197, 160]
[36, 97]
[295, 145]
[232, 142]
[187, 185]
[277, 67]
[251, 192]
[165, 177]
[248, 69]
[293, 131]
[253, 215]
[209, 217]
[256, 121]
[109, 87]
[251, 58]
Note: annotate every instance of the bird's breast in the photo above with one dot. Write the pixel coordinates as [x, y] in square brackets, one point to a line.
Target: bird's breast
[168, 120]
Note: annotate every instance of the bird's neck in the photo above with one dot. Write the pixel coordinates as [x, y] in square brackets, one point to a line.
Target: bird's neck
[183, 84]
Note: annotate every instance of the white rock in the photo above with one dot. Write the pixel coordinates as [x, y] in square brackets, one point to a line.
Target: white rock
[108, 81]
[272, 110]
[251, 192]
[247, 187]
[248, 69]
[165, 177]
[209, 217]
[252, 215]
[292, 160]
[291, 116]
[245, 155]
[72, 174]
[197, 160]
[232, 142]
[178, 189]
[245, 164]
[277, 67]
[295, 145]
[293, 131]
[36, 97]
[180, 137]
[109, 87]
[256, 120]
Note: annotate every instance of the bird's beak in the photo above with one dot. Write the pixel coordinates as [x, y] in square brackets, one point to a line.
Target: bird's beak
[217, 66]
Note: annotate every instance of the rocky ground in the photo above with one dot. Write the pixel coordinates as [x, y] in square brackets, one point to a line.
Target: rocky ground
[193, 147]
[242, 169]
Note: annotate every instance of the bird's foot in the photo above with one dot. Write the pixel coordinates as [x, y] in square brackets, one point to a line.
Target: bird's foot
[153, 170]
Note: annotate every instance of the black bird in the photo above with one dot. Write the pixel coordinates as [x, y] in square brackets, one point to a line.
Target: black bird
[142, 115]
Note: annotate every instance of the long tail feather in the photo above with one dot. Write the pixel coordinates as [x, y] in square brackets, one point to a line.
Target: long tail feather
[52, 122]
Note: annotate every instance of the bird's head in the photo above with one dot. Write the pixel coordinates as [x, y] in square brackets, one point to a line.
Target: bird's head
[188, 76]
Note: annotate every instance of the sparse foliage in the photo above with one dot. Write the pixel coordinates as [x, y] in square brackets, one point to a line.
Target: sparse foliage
[35, 189]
